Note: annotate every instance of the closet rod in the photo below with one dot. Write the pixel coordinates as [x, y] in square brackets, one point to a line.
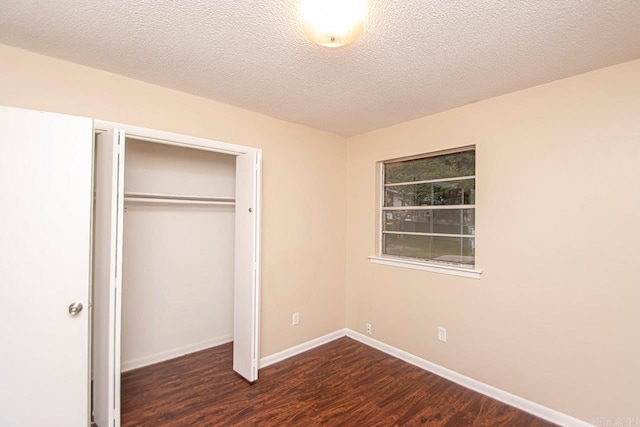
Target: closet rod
[177, 199]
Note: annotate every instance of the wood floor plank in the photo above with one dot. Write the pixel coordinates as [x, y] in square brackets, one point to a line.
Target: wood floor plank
[342, 383]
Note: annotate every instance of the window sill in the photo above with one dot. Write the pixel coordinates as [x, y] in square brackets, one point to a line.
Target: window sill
[424, 266]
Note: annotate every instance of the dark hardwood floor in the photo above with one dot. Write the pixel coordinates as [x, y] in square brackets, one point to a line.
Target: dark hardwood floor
[342, 383]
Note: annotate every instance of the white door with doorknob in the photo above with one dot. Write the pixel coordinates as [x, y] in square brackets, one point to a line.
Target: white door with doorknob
[45, 182]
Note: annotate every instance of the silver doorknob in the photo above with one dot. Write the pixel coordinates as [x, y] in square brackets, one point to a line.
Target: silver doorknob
[75, 308]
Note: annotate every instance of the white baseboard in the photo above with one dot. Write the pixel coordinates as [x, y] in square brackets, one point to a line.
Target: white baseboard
[176, 352]
[301, 348]
[493, 392]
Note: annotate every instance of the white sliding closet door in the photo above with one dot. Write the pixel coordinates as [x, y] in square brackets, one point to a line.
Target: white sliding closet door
[45, 182]
[107, 297]
[246, 287]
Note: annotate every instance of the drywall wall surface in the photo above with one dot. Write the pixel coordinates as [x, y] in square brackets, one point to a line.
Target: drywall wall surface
[304, 200]
[554, 317]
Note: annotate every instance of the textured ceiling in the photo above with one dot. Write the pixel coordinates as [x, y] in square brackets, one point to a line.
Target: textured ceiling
[415, 57]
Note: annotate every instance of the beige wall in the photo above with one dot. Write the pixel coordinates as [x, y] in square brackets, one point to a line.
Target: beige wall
[303, 250]
[555, 317]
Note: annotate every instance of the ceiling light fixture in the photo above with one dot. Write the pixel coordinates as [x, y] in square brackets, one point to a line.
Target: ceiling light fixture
[332, 23]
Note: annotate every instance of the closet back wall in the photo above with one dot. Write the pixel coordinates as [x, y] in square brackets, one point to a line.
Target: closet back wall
[178, 259]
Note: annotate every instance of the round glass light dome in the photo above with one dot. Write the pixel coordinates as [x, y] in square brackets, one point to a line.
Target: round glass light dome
[332, 23]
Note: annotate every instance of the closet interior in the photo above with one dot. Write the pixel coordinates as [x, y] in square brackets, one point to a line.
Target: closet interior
[178, 251]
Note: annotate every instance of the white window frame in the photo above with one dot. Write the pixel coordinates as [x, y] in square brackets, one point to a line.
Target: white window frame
[411, 263]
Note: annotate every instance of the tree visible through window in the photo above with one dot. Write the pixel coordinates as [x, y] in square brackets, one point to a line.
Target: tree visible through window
[428, 208]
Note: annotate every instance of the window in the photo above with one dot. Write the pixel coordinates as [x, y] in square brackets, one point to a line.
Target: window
[427, 208]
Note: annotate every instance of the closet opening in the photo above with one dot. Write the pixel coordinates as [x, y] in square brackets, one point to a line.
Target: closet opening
[176, 254]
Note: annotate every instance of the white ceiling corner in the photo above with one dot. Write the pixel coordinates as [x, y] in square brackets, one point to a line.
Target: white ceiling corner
[414, 58]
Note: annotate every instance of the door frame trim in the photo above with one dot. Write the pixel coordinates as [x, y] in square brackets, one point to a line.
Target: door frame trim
[176, 139]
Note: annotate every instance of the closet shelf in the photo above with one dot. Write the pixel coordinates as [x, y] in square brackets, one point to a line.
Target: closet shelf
[178, 199]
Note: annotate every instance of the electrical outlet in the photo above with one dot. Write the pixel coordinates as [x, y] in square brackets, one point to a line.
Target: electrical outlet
[367, 328]
[442, 334]
[296, 318]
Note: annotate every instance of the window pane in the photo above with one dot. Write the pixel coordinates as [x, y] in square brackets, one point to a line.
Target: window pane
[445, 221]
[457, 250]
[462, 192]
[436, 167]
